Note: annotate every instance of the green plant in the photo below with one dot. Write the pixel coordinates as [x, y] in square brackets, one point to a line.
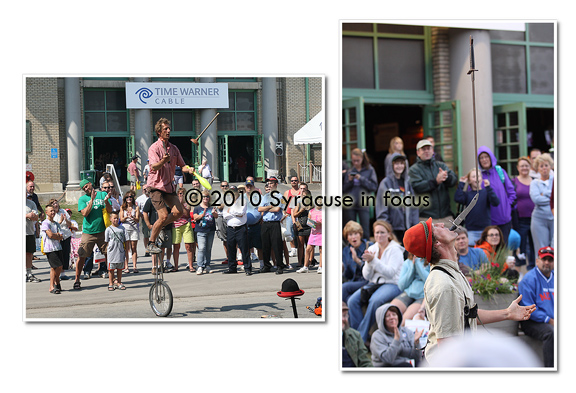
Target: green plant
[491, 278]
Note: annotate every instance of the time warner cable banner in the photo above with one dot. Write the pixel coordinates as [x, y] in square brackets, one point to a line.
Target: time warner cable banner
[146, 95]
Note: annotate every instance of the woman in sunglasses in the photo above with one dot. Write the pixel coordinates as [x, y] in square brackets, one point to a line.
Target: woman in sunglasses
[130, 217]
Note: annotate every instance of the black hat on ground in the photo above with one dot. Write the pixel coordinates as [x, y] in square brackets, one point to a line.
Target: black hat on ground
[290, 288]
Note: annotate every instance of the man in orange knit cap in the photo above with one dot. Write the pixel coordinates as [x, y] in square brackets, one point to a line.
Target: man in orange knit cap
[450, 305]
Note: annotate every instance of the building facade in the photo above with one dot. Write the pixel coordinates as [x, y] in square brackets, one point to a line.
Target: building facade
[76, 126]
[412, 81]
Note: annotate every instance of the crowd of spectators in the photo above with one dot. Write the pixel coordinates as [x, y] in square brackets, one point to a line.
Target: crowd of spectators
[382, 284]
[252, 228]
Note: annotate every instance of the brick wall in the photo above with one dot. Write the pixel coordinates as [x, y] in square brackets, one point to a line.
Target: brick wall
[43, 108]
[292, 111]
[441, 87]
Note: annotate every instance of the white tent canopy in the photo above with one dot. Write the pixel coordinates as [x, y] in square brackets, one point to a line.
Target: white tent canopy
[312, 132]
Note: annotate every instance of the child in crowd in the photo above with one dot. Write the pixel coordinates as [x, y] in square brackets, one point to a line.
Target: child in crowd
[479, 217]
[115, 236]
[51, 238]
[315, 239]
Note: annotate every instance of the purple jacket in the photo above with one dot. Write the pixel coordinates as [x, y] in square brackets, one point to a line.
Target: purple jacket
[501, 214]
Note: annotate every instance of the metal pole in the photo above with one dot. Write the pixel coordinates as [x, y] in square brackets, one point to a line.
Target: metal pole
[471, 72]
[472, 203]
[294, 306]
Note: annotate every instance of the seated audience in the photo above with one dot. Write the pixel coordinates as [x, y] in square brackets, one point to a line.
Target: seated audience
[412, 277]
[469, 258]
[352, 262]
[354, 352]
[393, 345]
[537, 287]
[382, 264]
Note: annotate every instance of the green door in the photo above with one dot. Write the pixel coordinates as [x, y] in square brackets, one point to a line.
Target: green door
[223, 163]
[196, 155]
[89, 152]
[442, 121]
[510, 135]
[259, 157]
[129, 153]
[353, 135]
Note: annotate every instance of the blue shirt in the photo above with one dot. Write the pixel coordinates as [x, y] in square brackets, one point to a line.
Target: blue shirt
[474, 258]
[536, 289]
[252, 213]
[268, 200]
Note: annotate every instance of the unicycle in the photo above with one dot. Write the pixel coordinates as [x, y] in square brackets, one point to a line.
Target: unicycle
[160, 295]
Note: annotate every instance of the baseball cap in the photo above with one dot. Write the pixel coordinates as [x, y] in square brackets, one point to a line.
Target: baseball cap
[422, 143]
[250, 182]
[83, 183]
[272, 179]
[546, 252]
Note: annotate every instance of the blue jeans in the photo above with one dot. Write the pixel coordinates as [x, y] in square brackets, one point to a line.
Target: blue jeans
[542, 233]
[349, 287]
[473, 236]
[289, 226]
[205, 240]
[526, 243]
[363, 323]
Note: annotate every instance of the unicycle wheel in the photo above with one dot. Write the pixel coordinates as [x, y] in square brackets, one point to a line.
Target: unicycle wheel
[161, 300]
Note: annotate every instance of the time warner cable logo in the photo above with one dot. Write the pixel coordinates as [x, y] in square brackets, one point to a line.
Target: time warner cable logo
[144, 92]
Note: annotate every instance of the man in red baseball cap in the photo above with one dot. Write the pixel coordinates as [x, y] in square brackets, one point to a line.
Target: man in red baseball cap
[537, 287]
[448, 311]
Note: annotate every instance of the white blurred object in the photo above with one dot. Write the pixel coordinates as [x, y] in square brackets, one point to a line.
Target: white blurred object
[482, 349]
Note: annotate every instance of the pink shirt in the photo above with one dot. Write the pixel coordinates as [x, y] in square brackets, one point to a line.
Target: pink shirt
[133, 170]
[316, 215]
[162, 179]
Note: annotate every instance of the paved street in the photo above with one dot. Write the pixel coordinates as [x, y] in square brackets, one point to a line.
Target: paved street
[213, 295]
[208, 296]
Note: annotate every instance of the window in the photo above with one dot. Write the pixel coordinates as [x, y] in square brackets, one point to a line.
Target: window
[523, 62]
[240, 114]
[105, 111]
[181, 120]
[384, 57]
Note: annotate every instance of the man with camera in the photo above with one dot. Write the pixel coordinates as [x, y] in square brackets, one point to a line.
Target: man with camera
[431, 177]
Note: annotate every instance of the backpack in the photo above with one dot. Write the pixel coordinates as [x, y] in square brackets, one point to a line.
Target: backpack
[500, 172]
[317, 307]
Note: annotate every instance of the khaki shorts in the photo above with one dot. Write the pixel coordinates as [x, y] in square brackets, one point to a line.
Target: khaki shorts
[87, 242]
[164, 200]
